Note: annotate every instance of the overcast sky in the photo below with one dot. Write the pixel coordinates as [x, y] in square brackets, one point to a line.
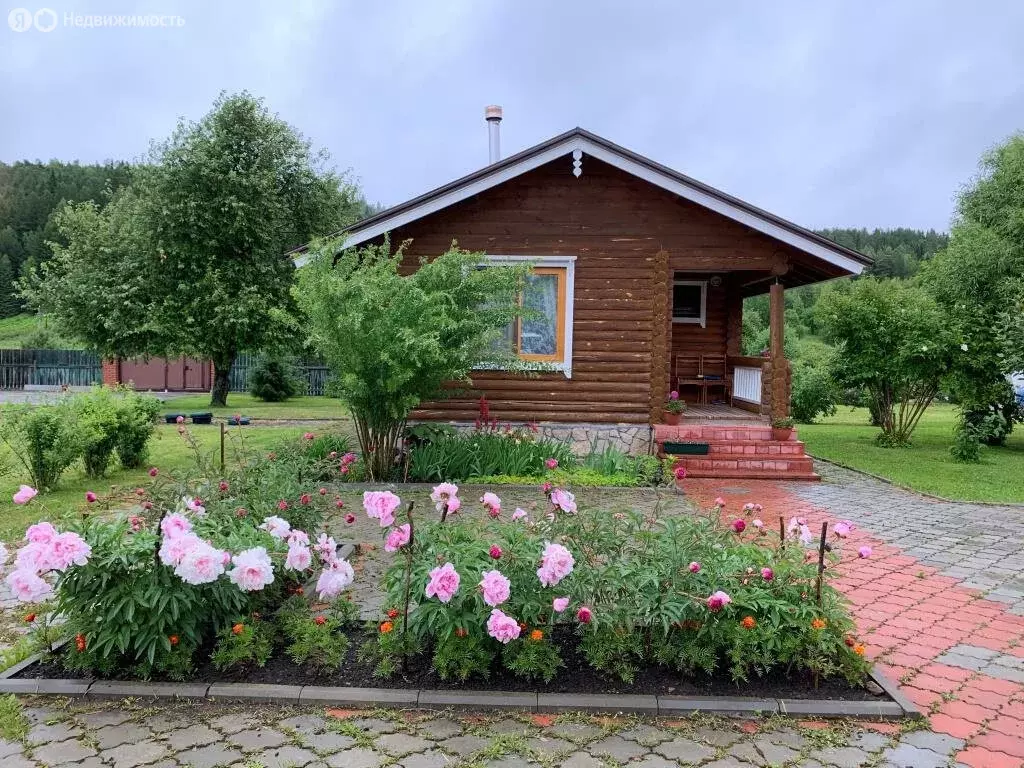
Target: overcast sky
[827, 113]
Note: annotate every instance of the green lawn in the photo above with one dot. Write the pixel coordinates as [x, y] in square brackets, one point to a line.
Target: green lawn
[14, 330]
[168, 451]
[847, 438]
[247, 405]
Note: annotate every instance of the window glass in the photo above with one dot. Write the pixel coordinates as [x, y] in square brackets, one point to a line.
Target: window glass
[539, 335]
[686, 302]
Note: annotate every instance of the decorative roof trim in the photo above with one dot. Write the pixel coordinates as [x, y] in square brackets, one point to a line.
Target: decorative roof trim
[579, 140]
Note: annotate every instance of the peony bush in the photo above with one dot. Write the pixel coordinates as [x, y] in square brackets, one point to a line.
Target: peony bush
[476, 588]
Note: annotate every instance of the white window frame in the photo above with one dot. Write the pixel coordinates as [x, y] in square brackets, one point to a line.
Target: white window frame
[703, 319]
[559, 262]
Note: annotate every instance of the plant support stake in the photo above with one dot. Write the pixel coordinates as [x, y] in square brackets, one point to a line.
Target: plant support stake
[222, 447]
[821, 559]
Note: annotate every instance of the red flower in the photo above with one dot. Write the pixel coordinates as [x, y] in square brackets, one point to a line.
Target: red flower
[392, 613]
[309, 436]
[339, 503]
[80, 643]
[460, 632]
[350, 518]
[320, 621]
[238, 629]
[584, 615]
[140, 491]
[739, 525]
[282, 505]
[174, 640]
[223, 485]
[323, 491]
[30, 618]
[304, 499]
[90, 497]
[153, 471]
[241, 512]
[495, 552]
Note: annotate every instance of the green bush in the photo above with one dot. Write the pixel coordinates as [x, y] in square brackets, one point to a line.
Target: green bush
[966, 448]
[136, 423]
[814, 393]
[486, 452]
[99, 418]
[274, 380]
[45, 439]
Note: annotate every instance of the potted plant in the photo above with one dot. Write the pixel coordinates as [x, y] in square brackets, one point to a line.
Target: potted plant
[782, 429]
[673, 408]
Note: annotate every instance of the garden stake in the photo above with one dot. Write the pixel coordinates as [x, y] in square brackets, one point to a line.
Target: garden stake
[782, 532]
[821, 559]
[408, 589]
[222, 447]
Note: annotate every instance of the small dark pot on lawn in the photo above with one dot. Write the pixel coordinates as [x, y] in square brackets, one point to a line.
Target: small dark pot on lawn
[782, 433]
[672, 419]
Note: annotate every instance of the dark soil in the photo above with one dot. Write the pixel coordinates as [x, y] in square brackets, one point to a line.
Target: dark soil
[575, 677]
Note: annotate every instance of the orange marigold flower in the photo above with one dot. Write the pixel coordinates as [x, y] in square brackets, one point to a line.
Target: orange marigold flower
[386, 627]
[748, 622]
[392, 613]
[522, 625]
[80, 643]
[460, 632]
[818, 624]
[320, 620]
[238, 629]
[536, 635]
[859, 649]
[30, 618]
[174, 640]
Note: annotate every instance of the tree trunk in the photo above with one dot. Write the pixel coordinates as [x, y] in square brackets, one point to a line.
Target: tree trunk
[221, 381]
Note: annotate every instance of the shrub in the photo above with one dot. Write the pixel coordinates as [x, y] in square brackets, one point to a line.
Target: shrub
[45, 439]
[274, 380]
[243, 644]
[99, 418]
[814, 393]
[486, 451]
[966, 448]
[689, 593]
[316, 640]
[136, 422]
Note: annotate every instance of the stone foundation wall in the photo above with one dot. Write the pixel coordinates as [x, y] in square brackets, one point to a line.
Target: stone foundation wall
[630, 438]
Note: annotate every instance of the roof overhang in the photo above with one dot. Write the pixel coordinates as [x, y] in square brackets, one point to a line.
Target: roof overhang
[579, 140]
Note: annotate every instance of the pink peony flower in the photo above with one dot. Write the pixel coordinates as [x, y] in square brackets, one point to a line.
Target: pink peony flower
[40, 533]
[335, 577]
[297, 538]
[69, 549]
[495, 552]
[397, 538]
[305, 499]
[584, 615]
[174, 548]
[564, 500]
[492, 502]
[90, 497]
[864, 552]
[556, 563]
[444, 583]
[767, 574]
[253, 570]
[720, 502]
[299, 557]
[24, 495]
[694, 567]
[738, 525]
[559, 604]
[195, 506]
[174, 525]
[680, 473]
[843, 528]
[546, 487]
[203, 564]
[748, 508]
[551, 463]
[309, 436]
[222, 485]
[322, 491]
[718, 601]
[135, 522]
[27, 587]
[454, 504]
[153, 471]
[519, 514]
[381, 505]
[673, 395]
[179, 420]
[282, 505]
[326, 546]
[759, 524]
[350, 518]
[339, 504]
[501, 627]
[495, 588]
[276, 526]
[806, 537]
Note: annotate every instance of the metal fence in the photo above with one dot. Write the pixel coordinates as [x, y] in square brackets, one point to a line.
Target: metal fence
[20, 368]
[314, 372]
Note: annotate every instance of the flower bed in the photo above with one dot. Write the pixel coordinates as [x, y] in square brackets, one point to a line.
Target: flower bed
[554, 599]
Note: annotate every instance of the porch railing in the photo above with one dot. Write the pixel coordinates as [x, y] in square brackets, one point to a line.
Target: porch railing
[746, 379]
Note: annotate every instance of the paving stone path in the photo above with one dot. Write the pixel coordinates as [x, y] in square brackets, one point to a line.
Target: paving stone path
[938, 603]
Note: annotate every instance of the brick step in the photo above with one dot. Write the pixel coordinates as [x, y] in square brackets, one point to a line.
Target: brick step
[711, 433]
[741, 461]
[756, 447]
[750, 474]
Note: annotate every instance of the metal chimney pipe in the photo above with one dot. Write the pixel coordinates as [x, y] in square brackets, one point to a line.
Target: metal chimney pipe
[493, 116]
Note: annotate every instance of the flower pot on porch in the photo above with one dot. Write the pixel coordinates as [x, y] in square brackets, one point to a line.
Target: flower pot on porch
[672, 419]
[782, 433]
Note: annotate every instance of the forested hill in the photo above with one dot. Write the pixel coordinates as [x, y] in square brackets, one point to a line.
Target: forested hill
[897, 252]
[29, 194]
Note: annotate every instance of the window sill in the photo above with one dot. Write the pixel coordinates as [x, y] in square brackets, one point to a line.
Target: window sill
[529, 366]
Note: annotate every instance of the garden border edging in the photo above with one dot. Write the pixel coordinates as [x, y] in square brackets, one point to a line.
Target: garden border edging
[739, 706]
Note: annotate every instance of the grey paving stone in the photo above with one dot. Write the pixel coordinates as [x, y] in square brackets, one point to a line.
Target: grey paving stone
[193, 736]
[510, 727]
[284, 757]
[841, 757]
[131, 755]
[375, 725]
[717, 737]
[464, 745]
[1004, 673]
[727, 762]
[936, 742]
[303, 724]
[654, 761]
[355, 758]
[327, 742]
[616, 748]
[209, 756]
[775, 754]
[582, 760]
[19, 761]
[10, 748]
[511, 762]
[232, 723]
[975, 651]
[909, 756]
[645, 735]
[256, 739]
[439, 728]
[548, 746]
[43, 733]
[164, 722]
[871, 741]
[964, 662]
[746, 752]
[432, 758]
[401, 744]
[104, 717]
[576, 732]
[60, 752]
[684, 751]
[114, 735]
[786, 736]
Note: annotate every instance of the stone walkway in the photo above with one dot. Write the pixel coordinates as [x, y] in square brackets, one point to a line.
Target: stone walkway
[939, 604]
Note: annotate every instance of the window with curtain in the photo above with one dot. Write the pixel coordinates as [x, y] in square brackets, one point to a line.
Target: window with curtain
[540, 334]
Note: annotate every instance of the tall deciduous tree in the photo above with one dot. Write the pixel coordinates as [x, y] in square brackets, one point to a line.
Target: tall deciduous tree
[395, 340]
[895, 342]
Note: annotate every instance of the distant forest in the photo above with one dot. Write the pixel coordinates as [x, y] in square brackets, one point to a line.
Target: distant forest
[31, 192]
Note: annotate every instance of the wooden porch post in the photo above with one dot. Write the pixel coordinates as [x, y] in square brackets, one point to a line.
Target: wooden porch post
[661, 340]
[780, 371]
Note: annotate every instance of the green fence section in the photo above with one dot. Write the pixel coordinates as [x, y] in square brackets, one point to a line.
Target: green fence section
[20, 368]
[314, 372]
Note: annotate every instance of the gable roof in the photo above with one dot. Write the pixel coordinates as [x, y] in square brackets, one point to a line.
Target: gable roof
[580, 140]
